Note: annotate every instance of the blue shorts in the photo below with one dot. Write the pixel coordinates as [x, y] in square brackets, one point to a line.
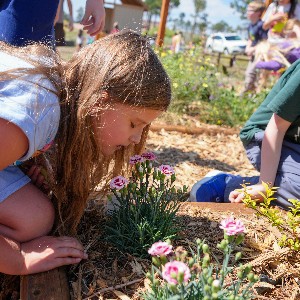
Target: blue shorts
[11, 180]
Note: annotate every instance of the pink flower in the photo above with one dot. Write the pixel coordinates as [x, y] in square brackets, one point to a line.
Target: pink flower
[136, 159]
[173, 269]
[160, 248]
[166, 169]
[118, 182]
[232, 227]
[149, 156]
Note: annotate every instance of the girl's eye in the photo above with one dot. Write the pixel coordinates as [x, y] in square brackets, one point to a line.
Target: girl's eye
[132, 125]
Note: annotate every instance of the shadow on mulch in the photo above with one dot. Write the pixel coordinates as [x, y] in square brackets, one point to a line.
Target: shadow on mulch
[176, 156]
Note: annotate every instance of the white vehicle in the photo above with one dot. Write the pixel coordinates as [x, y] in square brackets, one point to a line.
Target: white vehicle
[227, 43]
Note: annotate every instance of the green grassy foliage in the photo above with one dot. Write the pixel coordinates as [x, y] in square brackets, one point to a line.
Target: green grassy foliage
[200, 89]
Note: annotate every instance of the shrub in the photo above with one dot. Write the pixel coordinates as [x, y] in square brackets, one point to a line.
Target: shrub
[287, 223]
[179, 275]
[198, 89]
[146, 206]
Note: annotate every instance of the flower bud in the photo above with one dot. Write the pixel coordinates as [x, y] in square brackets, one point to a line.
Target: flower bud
[207, 288]
[191, 262]
[173, 287]
[238, 256]
[210, 280]
[156, 261]
[180, 277]
[216, 286]
[239, 239]
[173, 178]
[205, 248]
[155, 282]
[247, 269]
[214, 296]
[250, 277]
[240, 274]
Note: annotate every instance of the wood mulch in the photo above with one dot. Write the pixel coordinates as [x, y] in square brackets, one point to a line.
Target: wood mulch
[110, 274]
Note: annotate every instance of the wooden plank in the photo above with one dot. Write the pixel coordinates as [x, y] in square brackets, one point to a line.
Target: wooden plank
[51, 285]
[238, 208]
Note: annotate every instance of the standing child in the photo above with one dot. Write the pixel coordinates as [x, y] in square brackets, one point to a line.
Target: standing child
[256, 33]
[276, 16]
[96, 114]
[272, 141]
[79, 40]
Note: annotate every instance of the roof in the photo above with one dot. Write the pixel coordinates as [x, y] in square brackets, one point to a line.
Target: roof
[136, 3]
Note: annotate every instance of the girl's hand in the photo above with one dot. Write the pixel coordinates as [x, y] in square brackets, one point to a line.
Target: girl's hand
[48, 252]
[94, 17]
[278, 17]
[36, 176]
[237, 196]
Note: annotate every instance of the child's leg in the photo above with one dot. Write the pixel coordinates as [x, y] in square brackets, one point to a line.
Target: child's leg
[26, 214]
[250, 77]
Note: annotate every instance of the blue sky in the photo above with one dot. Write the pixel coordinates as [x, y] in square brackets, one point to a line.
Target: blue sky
[217, 11]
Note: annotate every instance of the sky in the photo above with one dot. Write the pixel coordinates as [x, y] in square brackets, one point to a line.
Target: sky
[217, 11]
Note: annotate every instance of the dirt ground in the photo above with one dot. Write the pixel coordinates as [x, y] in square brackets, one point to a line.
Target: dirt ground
[110, 274]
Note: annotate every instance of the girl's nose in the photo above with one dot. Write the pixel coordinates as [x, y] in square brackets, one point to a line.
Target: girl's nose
[136, 137]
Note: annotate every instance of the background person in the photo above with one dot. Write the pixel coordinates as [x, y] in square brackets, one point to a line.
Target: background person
[256, 33]
[59, 23]
[272, 142]
[276, 15]
[22, 24]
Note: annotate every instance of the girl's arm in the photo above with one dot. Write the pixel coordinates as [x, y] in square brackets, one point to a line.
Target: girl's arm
[13, 145]
[270, 155]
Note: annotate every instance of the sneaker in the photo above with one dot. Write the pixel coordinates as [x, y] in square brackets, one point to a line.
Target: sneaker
[211, 188]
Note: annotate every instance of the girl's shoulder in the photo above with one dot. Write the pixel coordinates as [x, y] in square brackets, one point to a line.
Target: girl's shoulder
[8, 62]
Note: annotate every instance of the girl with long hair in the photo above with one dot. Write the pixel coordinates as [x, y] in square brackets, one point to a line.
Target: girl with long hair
[93, 112]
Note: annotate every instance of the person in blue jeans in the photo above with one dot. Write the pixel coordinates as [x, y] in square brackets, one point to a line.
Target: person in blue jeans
[24, 22]
[271, 138]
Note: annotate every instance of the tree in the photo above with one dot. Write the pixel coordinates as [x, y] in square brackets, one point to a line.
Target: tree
[240, 6]
[154, 8]
[80, 14]
[221, 26]
[200, 5]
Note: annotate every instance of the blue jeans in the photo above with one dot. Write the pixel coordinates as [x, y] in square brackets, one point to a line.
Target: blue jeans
[288, 172]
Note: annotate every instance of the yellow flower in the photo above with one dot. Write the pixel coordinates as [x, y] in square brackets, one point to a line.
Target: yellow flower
[201, 68]
[175, 85]
[163, 54]
[205, 85]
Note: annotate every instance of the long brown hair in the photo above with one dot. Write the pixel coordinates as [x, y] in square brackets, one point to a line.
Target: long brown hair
[122, 66]
[125, 67]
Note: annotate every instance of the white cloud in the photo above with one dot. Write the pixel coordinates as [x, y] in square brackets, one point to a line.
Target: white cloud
[217, 11]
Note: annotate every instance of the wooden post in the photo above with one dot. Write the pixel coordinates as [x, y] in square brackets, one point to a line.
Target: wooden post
[51, 285]
[162, 23]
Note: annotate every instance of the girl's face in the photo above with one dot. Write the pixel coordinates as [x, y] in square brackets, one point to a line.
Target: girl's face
[121, 125]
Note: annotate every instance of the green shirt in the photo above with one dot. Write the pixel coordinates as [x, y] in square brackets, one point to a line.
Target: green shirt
[283, 100]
